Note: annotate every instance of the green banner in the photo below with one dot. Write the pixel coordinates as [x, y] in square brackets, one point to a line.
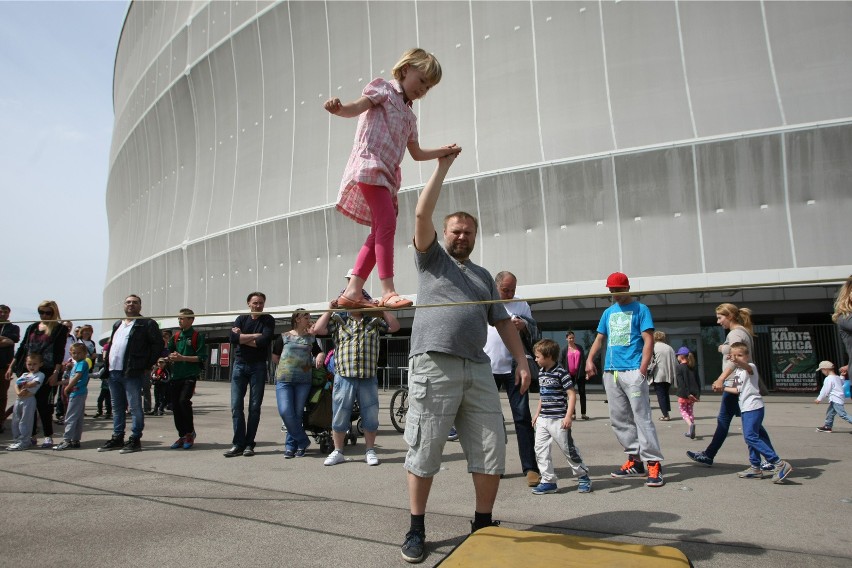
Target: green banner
[794, 362]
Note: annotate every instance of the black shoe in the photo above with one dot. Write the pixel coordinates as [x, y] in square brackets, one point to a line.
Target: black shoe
[113, 443]
[75, 445]
[248, 452]
[108, 416]
[474, 528]
[700, 457]
[234, 451]
[412, 548]
[133, 445]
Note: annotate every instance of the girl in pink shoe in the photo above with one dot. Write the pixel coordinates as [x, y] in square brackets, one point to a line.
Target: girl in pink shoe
[386, 127]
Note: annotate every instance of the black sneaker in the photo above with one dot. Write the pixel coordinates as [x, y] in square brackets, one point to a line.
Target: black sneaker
[75, 444]
[63, 446]
[113, 443]
[700, 457]
[234, 451]
[133, 445]
[412, 548]
[248, 452]
[474, 528]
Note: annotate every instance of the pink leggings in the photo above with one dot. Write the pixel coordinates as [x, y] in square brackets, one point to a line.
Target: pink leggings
[685, 406]
[378, 248]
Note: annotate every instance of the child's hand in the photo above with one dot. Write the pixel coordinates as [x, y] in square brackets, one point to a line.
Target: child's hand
[333, 105]
[566, 422]
[817, 401]
[452, 149]
[693, 398]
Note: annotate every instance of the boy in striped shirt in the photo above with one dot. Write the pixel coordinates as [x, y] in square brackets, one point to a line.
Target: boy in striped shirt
[552, 420]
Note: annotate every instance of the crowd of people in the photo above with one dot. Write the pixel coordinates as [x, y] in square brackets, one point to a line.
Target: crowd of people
[459, 351]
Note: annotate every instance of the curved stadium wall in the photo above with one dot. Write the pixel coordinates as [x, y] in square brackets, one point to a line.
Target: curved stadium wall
[688, 144]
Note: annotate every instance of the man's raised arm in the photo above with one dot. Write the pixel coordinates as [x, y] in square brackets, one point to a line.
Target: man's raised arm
[424, 227]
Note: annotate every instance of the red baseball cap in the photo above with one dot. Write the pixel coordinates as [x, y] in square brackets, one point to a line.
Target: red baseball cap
[617, 280]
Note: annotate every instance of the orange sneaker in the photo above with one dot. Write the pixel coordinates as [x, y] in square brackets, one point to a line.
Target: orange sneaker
[655, 475]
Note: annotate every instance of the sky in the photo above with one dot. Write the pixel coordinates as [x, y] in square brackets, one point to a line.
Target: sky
[56, 119]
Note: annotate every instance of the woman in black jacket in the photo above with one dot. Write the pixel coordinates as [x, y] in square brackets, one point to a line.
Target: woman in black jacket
[46, 337]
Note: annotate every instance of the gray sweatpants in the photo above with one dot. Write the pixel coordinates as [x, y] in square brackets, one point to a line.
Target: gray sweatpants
[630, 414]
[74, 418]
[23, 416]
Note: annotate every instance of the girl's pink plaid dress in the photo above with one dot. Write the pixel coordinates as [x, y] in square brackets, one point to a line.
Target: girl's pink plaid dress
[381, 139]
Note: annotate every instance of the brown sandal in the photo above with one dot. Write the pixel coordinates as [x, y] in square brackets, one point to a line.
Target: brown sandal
[394, 301]
[350, 304]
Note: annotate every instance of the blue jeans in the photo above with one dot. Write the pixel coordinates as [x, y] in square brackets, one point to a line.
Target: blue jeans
[253, 377]
[756, 438]
[835, 409]
[291, 398]
[346, 391]
[520, 405]
[122, 390]
[729, 408]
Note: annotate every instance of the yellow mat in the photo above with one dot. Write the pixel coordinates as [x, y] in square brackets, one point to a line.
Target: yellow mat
[496, 547]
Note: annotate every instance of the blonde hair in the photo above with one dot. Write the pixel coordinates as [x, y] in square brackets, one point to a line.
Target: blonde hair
[79, 347]
[660, 336]
[421, 60]
[51, 325]
[741, 316]
[843, 303]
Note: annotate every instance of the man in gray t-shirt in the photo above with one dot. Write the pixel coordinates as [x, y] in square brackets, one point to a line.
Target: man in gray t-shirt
[450, 379]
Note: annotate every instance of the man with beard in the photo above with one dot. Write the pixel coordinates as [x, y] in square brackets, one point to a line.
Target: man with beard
[450, 374]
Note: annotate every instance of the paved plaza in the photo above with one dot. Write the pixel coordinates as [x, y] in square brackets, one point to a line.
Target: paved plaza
[195, 508]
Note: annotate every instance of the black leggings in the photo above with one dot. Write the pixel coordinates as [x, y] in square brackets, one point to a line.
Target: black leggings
[581, 390]
[42, 397]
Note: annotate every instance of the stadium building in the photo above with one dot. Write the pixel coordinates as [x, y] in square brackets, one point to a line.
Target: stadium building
[704, 148]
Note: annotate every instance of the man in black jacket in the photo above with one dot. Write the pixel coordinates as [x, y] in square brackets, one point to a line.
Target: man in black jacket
[135, 345]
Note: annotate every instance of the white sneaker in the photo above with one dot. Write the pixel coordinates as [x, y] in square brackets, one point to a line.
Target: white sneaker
[48, 442]
[13, 447]
[334, 458]
[371, 458]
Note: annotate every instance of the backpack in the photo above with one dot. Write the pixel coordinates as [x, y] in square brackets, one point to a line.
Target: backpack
[193, 341]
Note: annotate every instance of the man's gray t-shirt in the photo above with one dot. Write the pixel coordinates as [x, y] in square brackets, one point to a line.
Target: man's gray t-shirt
[455, 330]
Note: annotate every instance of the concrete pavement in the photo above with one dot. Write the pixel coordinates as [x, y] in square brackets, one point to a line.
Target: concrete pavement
[197, 508]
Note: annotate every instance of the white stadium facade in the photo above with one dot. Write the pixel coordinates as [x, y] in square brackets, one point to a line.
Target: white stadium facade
[704, 148]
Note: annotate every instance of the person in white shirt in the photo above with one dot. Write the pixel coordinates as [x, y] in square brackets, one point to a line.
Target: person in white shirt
[503, 369]
[833, 389]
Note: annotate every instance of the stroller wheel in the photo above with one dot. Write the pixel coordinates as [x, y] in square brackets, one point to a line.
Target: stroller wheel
[359, 427]
[324, 448]
[352, 436]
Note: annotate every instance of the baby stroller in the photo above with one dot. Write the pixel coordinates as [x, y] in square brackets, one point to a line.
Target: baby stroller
[318, 414]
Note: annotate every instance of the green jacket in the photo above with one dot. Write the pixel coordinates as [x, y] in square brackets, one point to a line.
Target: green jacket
[182, 370]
